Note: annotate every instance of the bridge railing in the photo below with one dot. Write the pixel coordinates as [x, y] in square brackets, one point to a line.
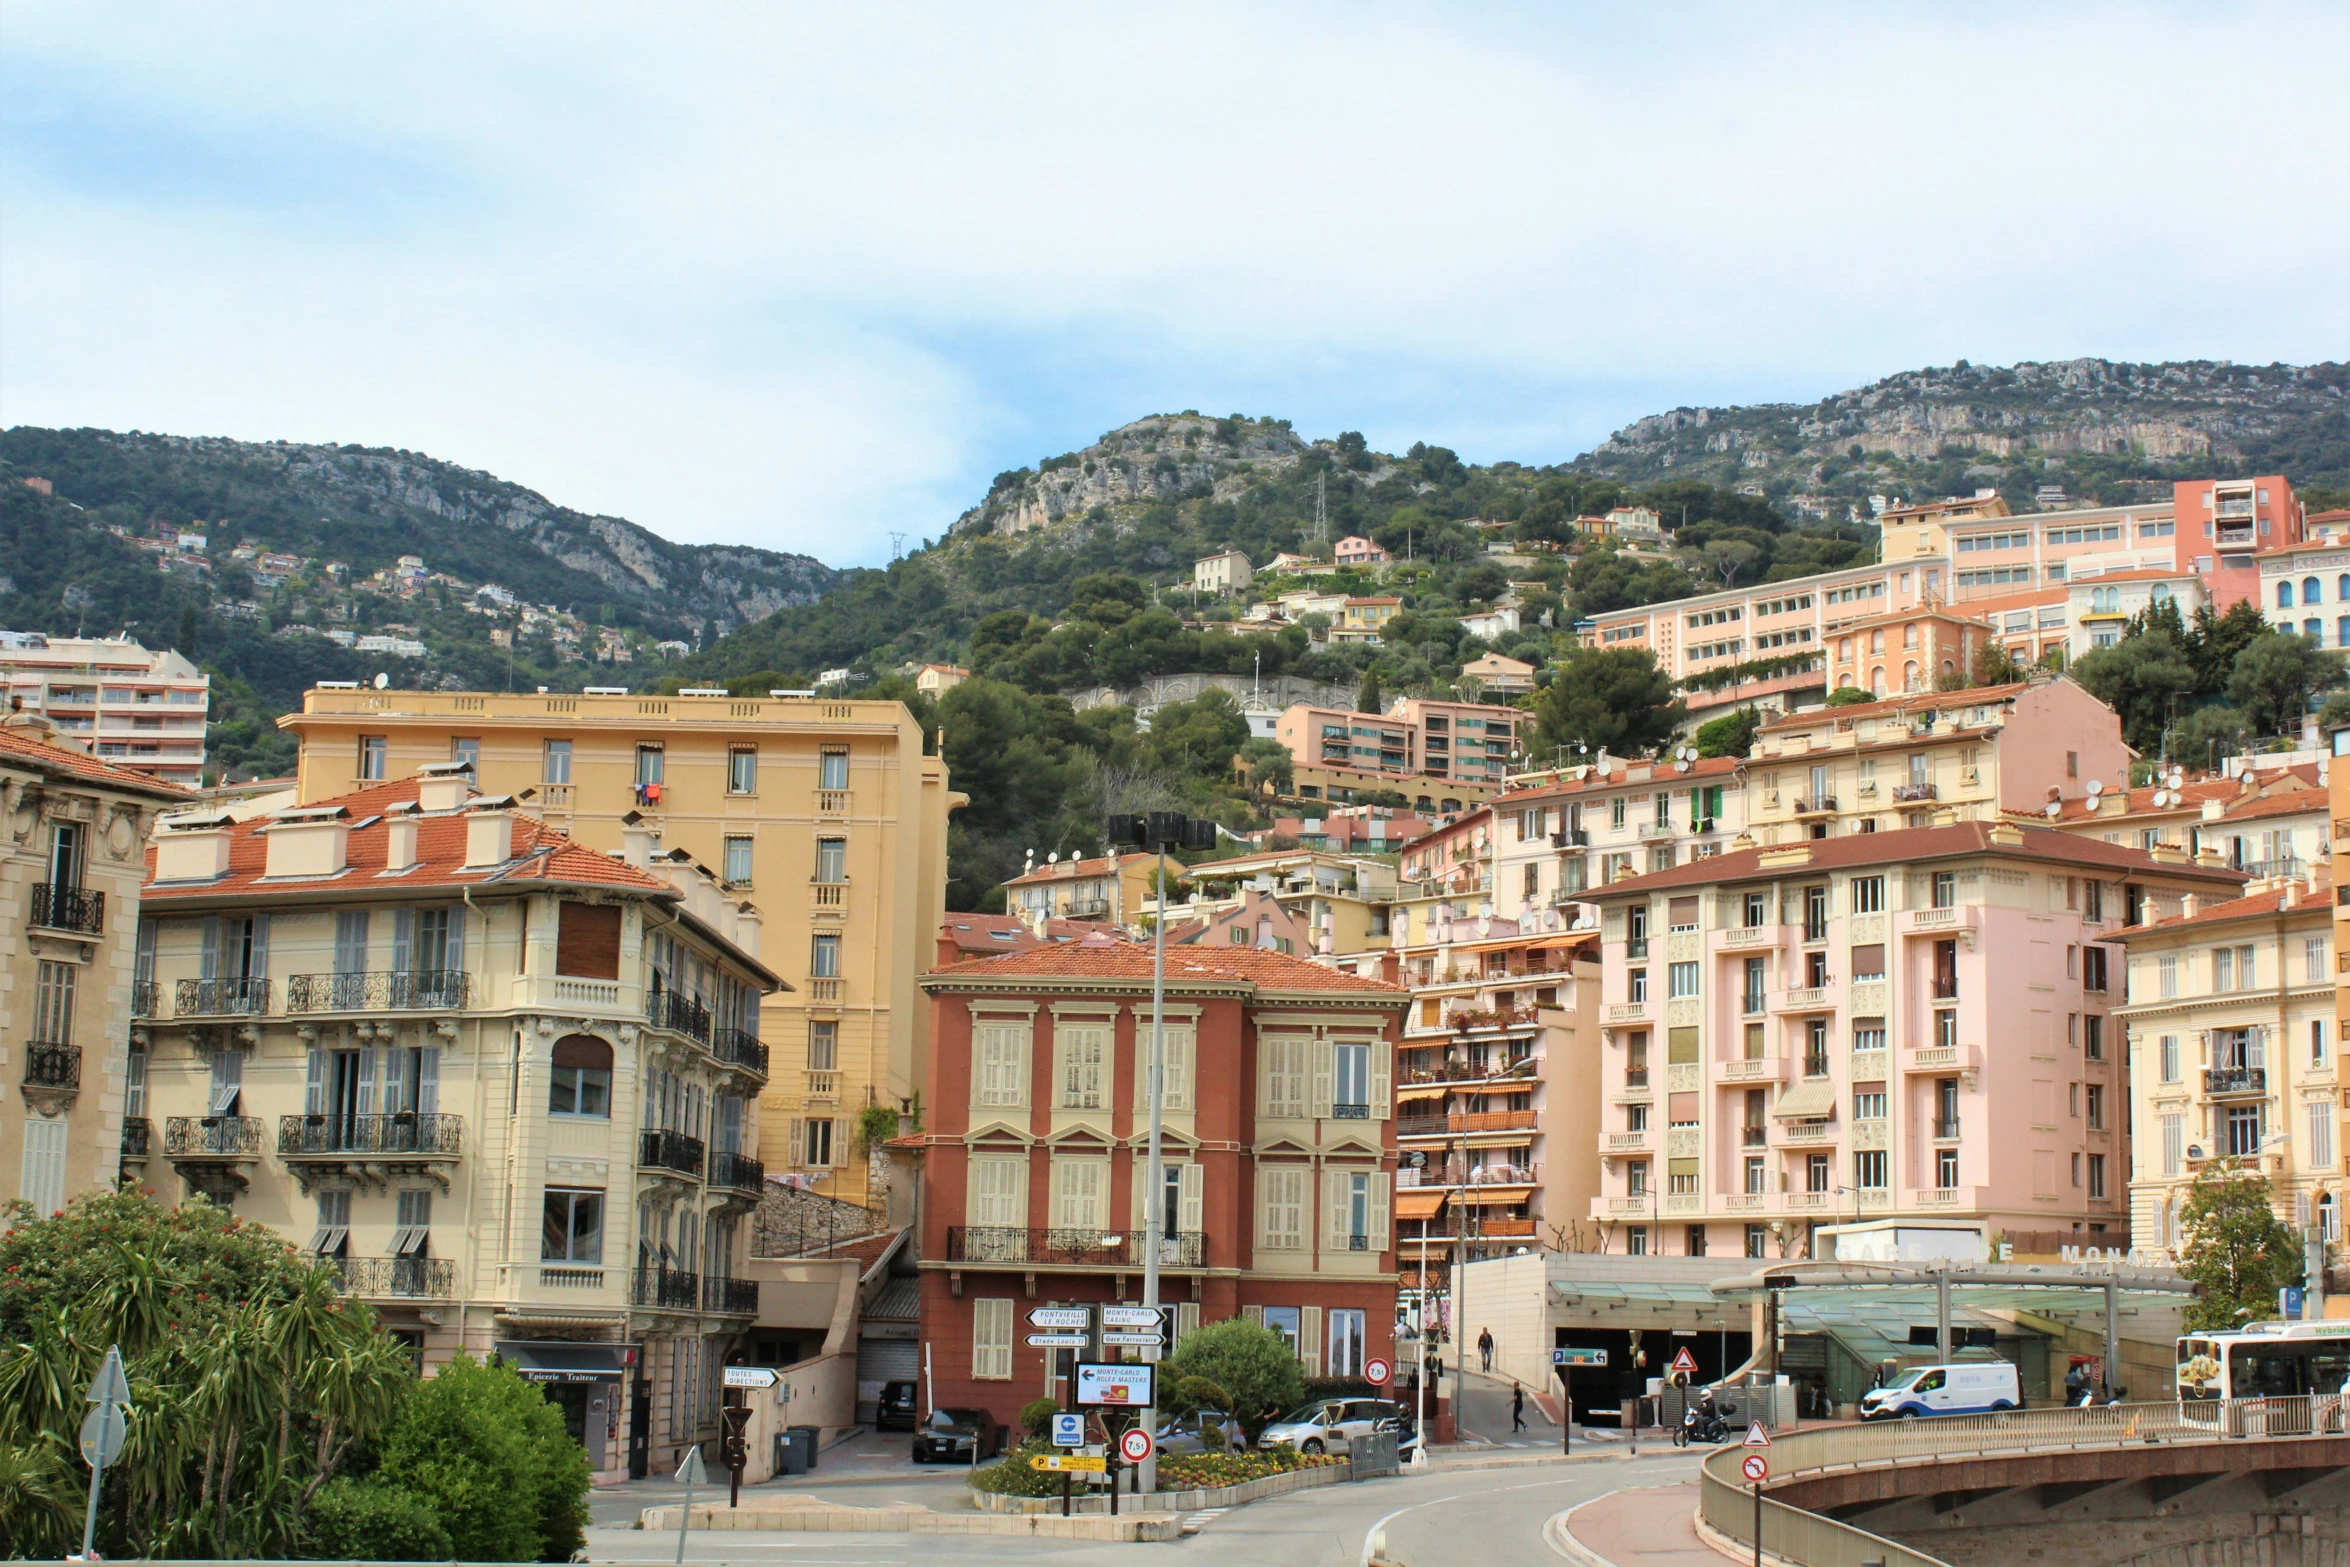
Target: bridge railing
[1727, 1503]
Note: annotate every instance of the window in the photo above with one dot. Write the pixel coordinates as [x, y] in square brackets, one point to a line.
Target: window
[1636, 985]
[2174, 1143]
[1946, 889]
[742, 770]
[2166, 976]
[832, 860]
[580, 1082]
[574, 1229]
[824, 957]
[1868, 962]
[1945, 970]
[1868, 1169]
[1868, 1033]
[2243, 1131]
[333, 1235]
[1636, 1177]
[1868, 1101]
[1757, 1238]
[2095, 1095]
[1636, 1240]
[2093, 1037]
[2169, 1053]
[2076, 1162]
[991, 1339]
[373, 755]
[1346, 1326]
[1350, 1092]
[467, 749]
[1868, 894]
[2317, 1041]
[53, 994]
[1683, 979]
[1945, 1169]
[1756, 1176]
[1946, 1028]
[1757, 910]
[1681, 1177]
[555, 762]
[1693, 1240]
[1815, 913]
[650, 767]
[1281, 1208]
[832, 770]
[824, 1044]
[1817, 1174]
[2093, 963]
[1750, 991]
[817, 1152]
[1615, 812]
[2313, 960]
[412, 1227]
[1284, 1064]
[738, 862]
[2320, 1155]
[1681, 914]
[1530, 883]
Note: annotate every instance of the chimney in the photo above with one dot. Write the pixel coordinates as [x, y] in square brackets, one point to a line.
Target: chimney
[31, 726]
[2188, 905]
[2007, 834]
[443, 786]
[489, 831]
[192, 848]
[310, 840]
[1946, 816]
[400, 837]
[746, 928]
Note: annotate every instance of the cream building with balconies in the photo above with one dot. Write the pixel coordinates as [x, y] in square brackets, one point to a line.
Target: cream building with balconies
[830, 813]
[1557, 838]
[141, 708]
[2233, 1039]
[507, 1086]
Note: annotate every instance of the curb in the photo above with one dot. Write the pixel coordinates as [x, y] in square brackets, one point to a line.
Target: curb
[1558, 1534]
[1124, 1529]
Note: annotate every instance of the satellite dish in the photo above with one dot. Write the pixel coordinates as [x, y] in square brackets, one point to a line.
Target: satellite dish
[382, 680]
[2055, 809]
[2095, 788]
[1680, 767]
[1053, 858]
[2178, 776]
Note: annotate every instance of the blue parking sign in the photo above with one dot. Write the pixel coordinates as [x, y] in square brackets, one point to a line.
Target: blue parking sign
[1068, 1430]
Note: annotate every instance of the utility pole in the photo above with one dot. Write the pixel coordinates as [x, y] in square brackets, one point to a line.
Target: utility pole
[1321, 513]
[1460, 1288]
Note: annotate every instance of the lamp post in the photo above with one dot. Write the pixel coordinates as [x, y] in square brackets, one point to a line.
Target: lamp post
[1157, 832]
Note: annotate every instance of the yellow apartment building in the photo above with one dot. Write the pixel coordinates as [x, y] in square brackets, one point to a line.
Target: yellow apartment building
[827, 813]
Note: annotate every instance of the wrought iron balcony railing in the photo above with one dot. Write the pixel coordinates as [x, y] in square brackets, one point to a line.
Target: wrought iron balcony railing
[672, 1288]
[2235, 1080]
[69, 908]
[680, 1014]
[52, 1066]
[405, 1278]
[737, 1172]
[737, 1048]
[734, 1297]
[407, 1132]
[212, 1136]
[220, 997]
[1074, 1248]
[143, 998]
[436, 989]
[661, 1149]
[137, 1133]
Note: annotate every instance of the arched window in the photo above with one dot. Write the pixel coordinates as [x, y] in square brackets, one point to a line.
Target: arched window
[1909, 635]
[1876, 641]
[2342, 632]
[1909, 676]
[1877, 680]
[1844, 644]
[2160, 593]
[2342, 587]
[1949, 668]
[2315, 631]
[581, 1082]
[2311, 593]
[2329, 1218]
[2284, 595]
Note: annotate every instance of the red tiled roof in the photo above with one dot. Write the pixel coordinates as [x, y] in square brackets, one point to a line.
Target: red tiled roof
[1703, 767]
[18, 746]
[987, 935]
[1936, 700]
[2268, 901]
[1070, 870]
[1129, 962]
[539, 854]
[2195, 791]
[1906, 846]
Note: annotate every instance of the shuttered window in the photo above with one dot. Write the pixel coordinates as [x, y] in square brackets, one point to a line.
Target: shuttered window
[999, 1192]
[587, 941]
[1284, 1069]
[1281, 1208]
[1681, 1046]
[1082, 1052]
[1309, 1340]
[1079, 1186]
[991, 1339]
[1175, 1058]
[44, 1164]
[999, 1064]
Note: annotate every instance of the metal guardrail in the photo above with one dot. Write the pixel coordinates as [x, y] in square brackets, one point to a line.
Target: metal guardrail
[1727, 1504]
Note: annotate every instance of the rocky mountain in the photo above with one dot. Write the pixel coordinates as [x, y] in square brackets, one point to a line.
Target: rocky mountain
[1167, 457]
[2092, 428]
[366, 506]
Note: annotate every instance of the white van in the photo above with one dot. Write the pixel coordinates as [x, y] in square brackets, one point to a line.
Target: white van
[1978, 1387]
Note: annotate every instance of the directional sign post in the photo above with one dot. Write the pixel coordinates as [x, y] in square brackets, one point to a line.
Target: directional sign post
[1563, 1361]
[1056, 1340]
[1068, 1429]
[1077, 1317]
[103, 1432]
[1070, 1463]
[692, 1473]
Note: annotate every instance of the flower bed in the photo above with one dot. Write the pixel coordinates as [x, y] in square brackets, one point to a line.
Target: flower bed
[1203, 1471]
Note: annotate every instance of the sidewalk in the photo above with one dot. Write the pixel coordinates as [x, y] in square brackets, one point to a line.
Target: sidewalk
[1653, 1528]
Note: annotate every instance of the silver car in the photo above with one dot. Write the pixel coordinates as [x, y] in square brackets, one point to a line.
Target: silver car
[1330, 1425]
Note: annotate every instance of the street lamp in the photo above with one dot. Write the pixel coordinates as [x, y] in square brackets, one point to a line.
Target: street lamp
[1157, 832]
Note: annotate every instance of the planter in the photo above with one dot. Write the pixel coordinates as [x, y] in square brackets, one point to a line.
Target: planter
[1171, 1501]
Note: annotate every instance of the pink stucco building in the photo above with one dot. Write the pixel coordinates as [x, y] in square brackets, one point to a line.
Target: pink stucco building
[1912, 1022]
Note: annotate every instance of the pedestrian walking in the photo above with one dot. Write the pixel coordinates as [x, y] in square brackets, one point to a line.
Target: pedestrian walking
[1517, 1407]
[1485, 1347]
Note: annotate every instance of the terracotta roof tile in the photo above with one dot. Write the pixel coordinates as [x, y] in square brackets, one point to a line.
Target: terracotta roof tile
[1069, 870]
[1705, 767]
[2267, 901]
[1973, 696]
[17, 746]
[1130, 962]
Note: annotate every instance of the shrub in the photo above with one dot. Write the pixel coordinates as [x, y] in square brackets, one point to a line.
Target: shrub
[491, 1456]
[366, 1520]
[1036, 1417]
[1011, 1475]
[1249, 1362]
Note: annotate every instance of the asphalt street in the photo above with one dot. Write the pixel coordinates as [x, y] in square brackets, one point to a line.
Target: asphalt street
[1471, 1517]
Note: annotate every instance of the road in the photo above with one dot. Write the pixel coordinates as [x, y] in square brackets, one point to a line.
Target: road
[1466, 1518]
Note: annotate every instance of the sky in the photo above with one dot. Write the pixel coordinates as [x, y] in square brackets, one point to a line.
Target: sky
[802, 277]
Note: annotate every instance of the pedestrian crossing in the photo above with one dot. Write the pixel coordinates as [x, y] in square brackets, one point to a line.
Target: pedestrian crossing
[1194, 1522]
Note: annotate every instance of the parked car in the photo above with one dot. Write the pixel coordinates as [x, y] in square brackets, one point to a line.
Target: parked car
[1330, 1425]
[946, 1437]
[1974, 1388]
[1188, 1433]
[896, 1411]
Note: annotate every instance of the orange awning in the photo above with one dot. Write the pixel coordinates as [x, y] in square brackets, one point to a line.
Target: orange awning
[1496, 1196]
[1411, 1204]
[1405, 1096]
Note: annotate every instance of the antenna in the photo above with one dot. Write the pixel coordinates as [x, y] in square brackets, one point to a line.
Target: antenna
[897, 545]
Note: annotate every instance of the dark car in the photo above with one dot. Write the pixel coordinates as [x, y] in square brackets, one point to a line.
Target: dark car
[947, 1437]
[895, 1412]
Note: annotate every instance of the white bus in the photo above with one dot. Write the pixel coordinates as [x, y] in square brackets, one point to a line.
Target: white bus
[2265, 1360]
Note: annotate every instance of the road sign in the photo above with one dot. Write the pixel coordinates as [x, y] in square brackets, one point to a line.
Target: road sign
[103, 1430]
[691, 1471]
[1132, 1338]
[1377, 1371]
[1068, 1430]
[1756, 1436]
[110, 1386]
[1056, 1340]
[1110, 1384]
[1130, 1317]
[750, 1376]
[1755, 1467]
[2289, 1300]
[1135, 1445]
[1079, 1463]
[1684, 1361]
[1060, 1317]
[1576, 1355]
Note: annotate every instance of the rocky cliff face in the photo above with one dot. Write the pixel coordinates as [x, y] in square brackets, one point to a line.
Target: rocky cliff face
[1167, 457]
[2207, 411]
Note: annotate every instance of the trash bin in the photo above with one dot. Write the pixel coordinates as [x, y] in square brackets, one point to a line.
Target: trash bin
[804, 1437]
[795, 1450]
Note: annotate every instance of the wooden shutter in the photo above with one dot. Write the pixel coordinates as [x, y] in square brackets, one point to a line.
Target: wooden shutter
[1080, 1063]
[1181, 1045]
[351, 941]
[453, 953]
[991, 1339]
[1325, 1066]
[1190, 1197]
[367, 1082]
[1077, 1193]
[404, 940]
[211, 952]
[1382, 1078]
[1334, 1205]
[999, 1192]
[1309, 1339]
[44, 1164]
[314, 1089]
[798, 1146]
[428, 1080]
[1283, 1198]
[1186, 1319]
[1382, 1183]
[1255, 1314]
[587, 940]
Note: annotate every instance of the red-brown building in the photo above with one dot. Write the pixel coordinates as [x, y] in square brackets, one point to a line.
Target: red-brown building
[1278, 1142]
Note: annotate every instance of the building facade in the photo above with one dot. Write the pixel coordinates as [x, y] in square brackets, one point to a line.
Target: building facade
[1557, 838]
[1871, 1026]
[140, 708]
[1278, 1148]
[506, 1086]
[1418, 744]
[828, 812]
[1108, 887]
[73, 834]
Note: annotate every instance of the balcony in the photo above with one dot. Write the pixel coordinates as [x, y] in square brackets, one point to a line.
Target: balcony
[669, 1289]
[405, 1134]
[1571, 838]
[1815, 1066]
[220, 998]
[2232, 536]
[68, 909]
[209, 1150]
[731, 1297]
[1655, 830]
[1944, 1058]
[735, 1047]
[737, 1172]
[679, 1014]
[1623, 1142]
[2235, 1080]
[660, 1149]
[829, 899]
[55, 1068]
[1627, 1011]
[1815, 999]
[1503, 1229]
[824, 989]
[143, 998]
[1806, 1131]
[1069, 1248]
[1754, 1136]
[137, 1133]
[1636, 949]
[1636, 1077]
[1945, 1128]
[1465, 1122]
[832, 802]
[397, 1278]
[1941, 922]
[440, 990]
[823, 1088]
[1752, 1069]
[1907, 793]
[1817, 805]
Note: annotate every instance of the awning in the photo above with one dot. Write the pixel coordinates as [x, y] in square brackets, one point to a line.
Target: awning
[555, 1361]
[1813, 1099]
[1410, 1204]
[1495, 1196]
[1405, 1096]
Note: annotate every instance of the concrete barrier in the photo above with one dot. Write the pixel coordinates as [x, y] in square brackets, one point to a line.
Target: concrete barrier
[905, 1518]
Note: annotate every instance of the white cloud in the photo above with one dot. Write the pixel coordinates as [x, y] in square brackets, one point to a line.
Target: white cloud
[799, 277]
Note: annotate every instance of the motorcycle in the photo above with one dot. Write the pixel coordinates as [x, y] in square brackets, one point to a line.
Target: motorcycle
[1703, 1424]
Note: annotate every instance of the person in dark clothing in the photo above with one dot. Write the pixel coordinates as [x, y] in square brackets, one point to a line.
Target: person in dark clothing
[1517, 1407]
[1485, 1347]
